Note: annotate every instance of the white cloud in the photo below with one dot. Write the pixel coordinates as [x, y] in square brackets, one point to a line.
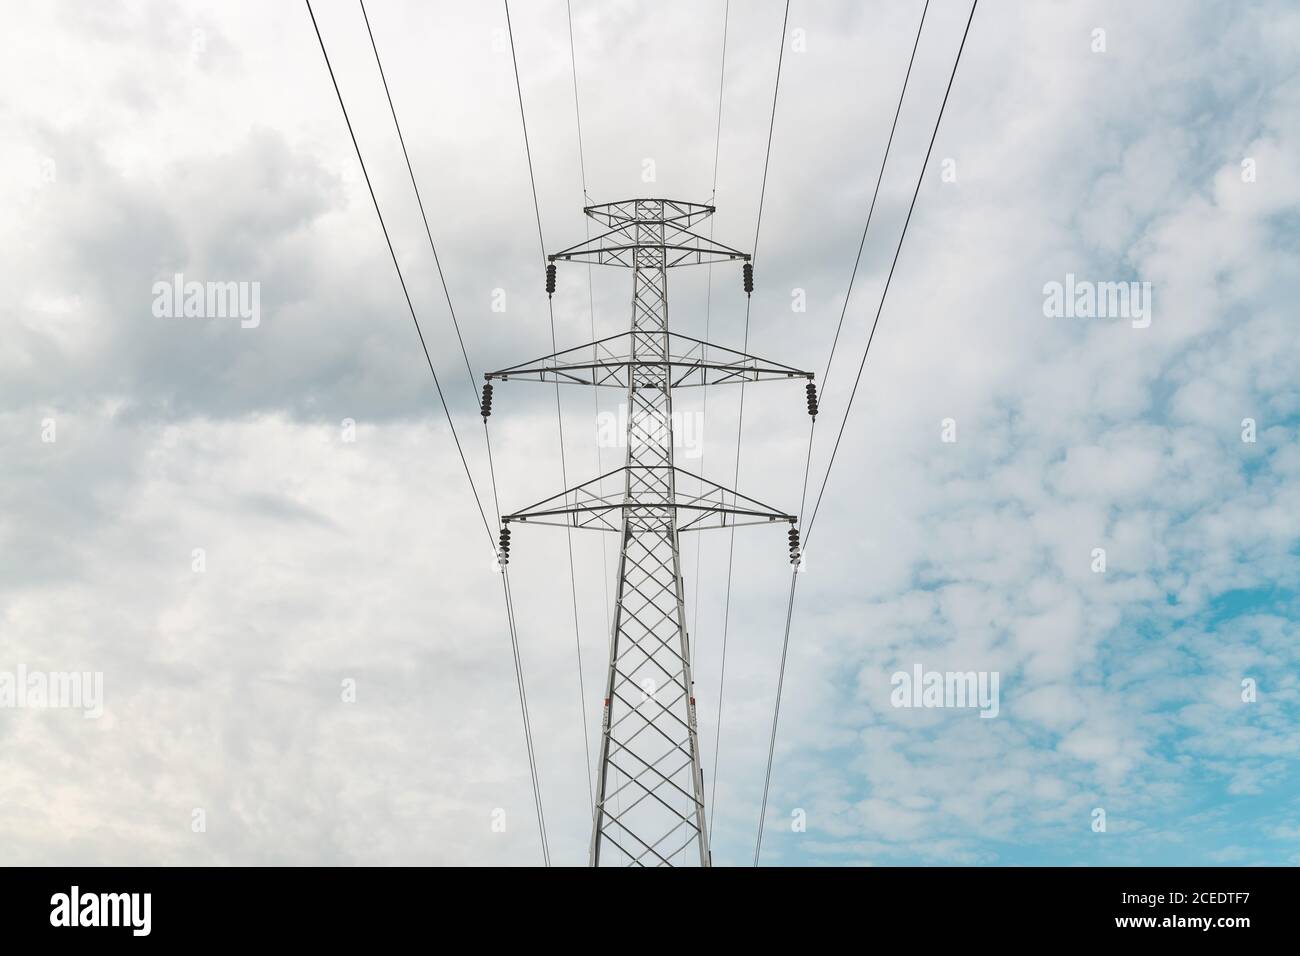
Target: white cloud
[328, 560]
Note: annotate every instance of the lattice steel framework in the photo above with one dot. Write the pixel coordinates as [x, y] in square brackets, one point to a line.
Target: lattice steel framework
[650, 786]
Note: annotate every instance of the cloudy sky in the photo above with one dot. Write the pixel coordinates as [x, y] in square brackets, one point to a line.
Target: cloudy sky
[141, 140]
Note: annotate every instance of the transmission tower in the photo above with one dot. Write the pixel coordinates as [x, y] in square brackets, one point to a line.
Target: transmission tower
[649, 806]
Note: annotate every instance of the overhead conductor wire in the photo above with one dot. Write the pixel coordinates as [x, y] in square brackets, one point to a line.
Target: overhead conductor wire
[740, 420]
[708, 312]
[758, 846]
[559, 417]
[514, 640]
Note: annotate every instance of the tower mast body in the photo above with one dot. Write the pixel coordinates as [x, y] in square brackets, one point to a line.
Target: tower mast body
[649, 805]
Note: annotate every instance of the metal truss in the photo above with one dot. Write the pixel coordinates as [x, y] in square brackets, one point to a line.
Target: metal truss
[610, 362]
[586, 506]
[649, 808]
[650, 212]
[627, 234]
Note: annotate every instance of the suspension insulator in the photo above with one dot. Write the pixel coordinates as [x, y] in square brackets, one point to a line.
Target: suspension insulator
[550, 278]
[503, 553]
[485, 406]
[747, 271]
[794, 545]
[811, 391]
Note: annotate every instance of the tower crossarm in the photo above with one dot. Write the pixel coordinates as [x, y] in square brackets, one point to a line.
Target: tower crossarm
[586, 506]
[680, 247]
[670, 212]
[611, 362]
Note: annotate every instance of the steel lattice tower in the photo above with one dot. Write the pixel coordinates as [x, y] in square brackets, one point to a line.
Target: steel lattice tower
[650, 784]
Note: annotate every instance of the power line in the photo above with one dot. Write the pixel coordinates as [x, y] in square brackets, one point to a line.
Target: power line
[722, 77]
[884, 160]
[704, 399]
[888, 278]
[872, 208]
[559, 415]
[740, 418]
[514, 640]
[419, 200]
[595, 399]
[708, 297]
[577, 110]
[524, 711]
[767, 157]
[519, 665]
[591, 293]
[758, 846]
[523, 119]
[400, 278]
